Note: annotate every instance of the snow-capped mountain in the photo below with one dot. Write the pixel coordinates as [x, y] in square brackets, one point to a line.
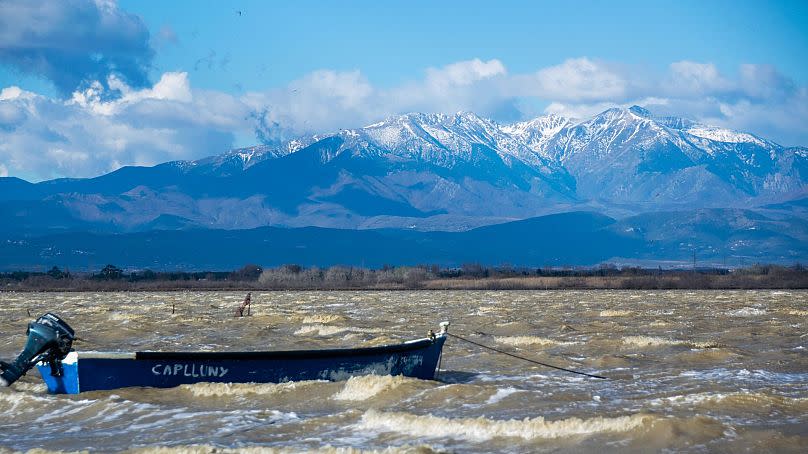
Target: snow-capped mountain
[619, 156]
[441, 172]
[628, 156]
[537, 132]
[438, 139]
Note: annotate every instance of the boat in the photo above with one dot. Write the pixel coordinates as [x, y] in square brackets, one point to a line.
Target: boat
[66, 371]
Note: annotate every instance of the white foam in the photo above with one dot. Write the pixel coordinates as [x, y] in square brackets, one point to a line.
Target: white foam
[36, 388]
[366, 386]
[482, 429]
[615, 313]
[528, 340]
[326, 330]
[241, 389]
[747, 312]
[3, 382]
[736, 376]
[14, 399]
[322, 318]
[501, 394]
[754, 400]
[650, 341]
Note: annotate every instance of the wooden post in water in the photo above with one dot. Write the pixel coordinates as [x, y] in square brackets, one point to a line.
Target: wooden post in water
[244, 305]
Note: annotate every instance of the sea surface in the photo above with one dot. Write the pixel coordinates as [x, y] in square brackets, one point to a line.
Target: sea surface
[692, 371]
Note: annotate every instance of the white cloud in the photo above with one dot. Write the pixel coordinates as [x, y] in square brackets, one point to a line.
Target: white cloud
[70, 42]
[765, 83]
[463, 73]
[14, 92]
[99, 130]
[695, 79]
[172, 86]
[579, 79]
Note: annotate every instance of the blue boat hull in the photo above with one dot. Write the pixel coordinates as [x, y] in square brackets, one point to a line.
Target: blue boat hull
[92, 371]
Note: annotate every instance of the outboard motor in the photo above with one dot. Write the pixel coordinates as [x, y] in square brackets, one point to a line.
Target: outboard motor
[49, 339]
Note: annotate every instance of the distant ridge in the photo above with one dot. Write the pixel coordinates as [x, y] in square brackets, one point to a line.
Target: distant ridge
[719, 238]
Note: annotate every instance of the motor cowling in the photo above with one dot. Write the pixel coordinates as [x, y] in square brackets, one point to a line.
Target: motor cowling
[49, 339]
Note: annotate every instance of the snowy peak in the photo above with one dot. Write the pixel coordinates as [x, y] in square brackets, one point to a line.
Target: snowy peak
[239, 159]
[537, 131]
[619, 115]
[447, 140]
[725, 135]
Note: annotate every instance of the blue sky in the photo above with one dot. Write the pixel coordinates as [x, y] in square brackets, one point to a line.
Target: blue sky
[89, 86]
[274, 42]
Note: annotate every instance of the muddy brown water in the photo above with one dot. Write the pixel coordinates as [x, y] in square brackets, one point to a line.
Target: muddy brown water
[697, 371]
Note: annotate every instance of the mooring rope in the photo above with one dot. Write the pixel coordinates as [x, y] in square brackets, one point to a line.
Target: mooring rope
[523, 358]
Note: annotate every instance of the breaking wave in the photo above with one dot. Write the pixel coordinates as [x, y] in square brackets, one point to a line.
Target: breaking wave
[757, 401]
[798, 313]
[323, 318]
[747, 312]
[243, 389]
[366, 386]
[39, 388]
[327, 330]
[527, 340]
[650, 341]
[9, 401]
[615, 313]
[501, 394]
[482, 429]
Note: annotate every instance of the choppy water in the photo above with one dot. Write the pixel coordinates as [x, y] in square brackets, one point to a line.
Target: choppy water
[691, 371]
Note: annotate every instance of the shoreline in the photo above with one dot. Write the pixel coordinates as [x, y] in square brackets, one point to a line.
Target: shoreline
[469, 277]
[504, 284]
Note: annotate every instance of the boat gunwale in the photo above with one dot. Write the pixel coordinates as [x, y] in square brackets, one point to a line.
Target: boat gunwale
[419, 344]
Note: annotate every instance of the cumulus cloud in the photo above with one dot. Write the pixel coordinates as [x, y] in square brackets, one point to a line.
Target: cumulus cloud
[463, 73]
[474, 85]
[764, 83]
[73, 41]
[578, 79]
[321, 101]
[89, 134]
[172, 86]
[695, 79]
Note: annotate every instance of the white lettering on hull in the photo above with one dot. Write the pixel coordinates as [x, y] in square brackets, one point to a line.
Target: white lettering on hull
[189, 370]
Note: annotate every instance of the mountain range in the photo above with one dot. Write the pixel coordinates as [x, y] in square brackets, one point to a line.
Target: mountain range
[667, 186]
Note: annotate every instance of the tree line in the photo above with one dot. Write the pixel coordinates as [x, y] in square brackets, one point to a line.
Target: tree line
[467, 276]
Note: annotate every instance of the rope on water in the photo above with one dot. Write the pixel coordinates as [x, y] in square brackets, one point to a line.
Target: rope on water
[523, 358]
